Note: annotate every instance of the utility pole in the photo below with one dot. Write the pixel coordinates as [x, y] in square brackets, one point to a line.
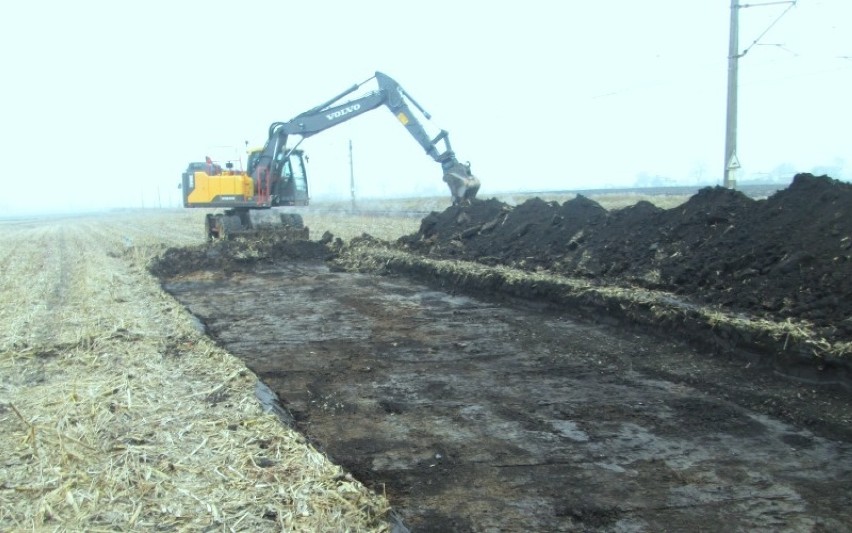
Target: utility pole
[731, 162]
[351, 176]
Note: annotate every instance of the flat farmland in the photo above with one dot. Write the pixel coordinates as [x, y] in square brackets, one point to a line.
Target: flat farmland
[451, 379]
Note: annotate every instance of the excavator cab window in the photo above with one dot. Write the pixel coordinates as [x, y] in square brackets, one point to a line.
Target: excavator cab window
[297, 169]
[292, 167]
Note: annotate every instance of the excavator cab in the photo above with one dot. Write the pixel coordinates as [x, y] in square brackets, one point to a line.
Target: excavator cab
[293, 185]
[291, 188]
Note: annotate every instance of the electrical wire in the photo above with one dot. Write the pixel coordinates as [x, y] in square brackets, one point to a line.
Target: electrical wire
[759, 37]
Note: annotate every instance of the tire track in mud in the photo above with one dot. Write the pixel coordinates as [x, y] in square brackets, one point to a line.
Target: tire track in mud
[473, 416]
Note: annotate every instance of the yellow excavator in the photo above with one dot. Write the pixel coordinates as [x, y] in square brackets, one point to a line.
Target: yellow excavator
[276, 174]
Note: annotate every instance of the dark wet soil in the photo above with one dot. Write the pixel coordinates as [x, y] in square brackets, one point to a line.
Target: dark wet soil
[478, 411]
[477, 416]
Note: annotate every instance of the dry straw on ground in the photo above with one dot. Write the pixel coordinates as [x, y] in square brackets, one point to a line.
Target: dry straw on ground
[117, 414]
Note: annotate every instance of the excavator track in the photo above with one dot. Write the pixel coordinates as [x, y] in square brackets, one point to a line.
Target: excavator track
[245, 222]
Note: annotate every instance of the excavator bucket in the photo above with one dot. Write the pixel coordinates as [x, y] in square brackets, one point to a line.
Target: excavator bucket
[462, 183]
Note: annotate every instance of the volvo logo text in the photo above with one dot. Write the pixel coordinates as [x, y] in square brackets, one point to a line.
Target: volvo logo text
[345, 111]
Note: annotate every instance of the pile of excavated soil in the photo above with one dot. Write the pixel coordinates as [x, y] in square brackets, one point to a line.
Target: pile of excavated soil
[788, 256]
[265, 246]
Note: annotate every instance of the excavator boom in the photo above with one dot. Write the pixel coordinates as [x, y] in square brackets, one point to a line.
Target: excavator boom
[463, 185]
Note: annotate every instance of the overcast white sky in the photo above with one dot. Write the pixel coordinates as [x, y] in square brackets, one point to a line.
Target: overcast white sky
[106, 102]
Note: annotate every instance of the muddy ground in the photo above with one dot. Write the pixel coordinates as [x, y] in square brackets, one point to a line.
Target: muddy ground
[482, 412]
[474, 416]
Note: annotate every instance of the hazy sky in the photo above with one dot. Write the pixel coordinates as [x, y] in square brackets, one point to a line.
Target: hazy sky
[106, 102]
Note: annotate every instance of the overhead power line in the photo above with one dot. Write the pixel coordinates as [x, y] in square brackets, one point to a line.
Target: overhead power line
[732, 163]
[773, 23]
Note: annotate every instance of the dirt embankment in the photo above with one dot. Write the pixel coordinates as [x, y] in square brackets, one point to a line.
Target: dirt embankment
[788, 256]
[240, 254]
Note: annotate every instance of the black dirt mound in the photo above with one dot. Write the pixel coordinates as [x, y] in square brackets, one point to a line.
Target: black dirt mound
[239, 254]
[787, 256]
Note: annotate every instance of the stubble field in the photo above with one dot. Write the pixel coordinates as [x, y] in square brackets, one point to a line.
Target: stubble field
[119, 414]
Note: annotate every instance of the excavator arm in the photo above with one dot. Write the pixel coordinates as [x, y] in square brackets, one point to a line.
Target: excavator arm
[463, 185]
